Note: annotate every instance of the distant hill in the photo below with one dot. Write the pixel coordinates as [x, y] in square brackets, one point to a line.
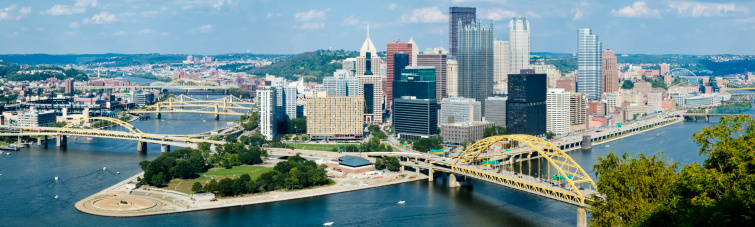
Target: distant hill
[313, 66]
[122, 59]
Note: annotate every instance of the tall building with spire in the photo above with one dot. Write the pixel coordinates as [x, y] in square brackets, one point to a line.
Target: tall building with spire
[475, 75]
[610, 72]
[466, 15]
[370, 81]
[368, 50]
[589, 59]
[519, 44]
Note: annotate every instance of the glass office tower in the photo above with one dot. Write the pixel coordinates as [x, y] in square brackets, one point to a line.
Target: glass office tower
[590, 77]
[475, 76]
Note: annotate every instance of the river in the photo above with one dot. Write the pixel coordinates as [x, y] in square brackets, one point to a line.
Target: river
[28, 187]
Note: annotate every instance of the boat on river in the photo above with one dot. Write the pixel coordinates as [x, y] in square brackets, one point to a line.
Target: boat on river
[328, 223]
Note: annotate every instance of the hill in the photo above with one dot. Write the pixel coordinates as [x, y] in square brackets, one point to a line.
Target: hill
[313, 66]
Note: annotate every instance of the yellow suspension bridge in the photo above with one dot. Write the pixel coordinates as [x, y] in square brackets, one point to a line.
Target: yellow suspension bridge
[229, 105]
[500, 160]
[109, 128]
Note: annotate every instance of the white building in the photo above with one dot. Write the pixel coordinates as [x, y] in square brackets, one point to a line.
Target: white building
[267, 100]
[457, 109]
[452, 74]
[519, 41]
[501, 63]
[557, 111]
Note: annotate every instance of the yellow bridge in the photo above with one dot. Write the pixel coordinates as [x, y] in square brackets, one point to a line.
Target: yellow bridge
[109, 128]
[229, 105]
[548, 172]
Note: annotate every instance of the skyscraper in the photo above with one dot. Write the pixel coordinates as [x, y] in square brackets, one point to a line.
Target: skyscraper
[341, 84]
[368, 50]
[557, 111]
[392, 49]
[519, 44]
[452, 77]
[267, 99]
[415, 51]
[69, 86]
[589, 61]
[415, 118]
[610, 72]
[371, 88]
[525, 107]
[501, 63]
[467, 15]
[438, 61]
[475, 77]
[416, 81]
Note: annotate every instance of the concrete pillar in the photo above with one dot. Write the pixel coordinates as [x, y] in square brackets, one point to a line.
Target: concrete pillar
[452, 183]
[707, 118]
[217, 117]
[45, 140]
[159, 115]
[164, 148]
[402, 169]
[416, 169]
[141, 147]
[430, 173]
[62, 141]
[39, 141]
[581, 217]
[586, 142]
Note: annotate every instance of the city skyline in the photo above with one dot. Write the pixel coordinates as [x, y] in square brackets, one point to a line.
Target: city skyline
[228, 26]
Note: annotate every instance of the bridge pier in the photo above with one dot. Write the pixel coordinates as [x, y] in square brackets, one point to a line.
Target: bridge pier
[581, 217]
[164, 148]
[41, 140]
[217, 117]
[586, 142]
[62, 141]
[430, 173]
[707, 118]
[158, 116]
[141, 147]
[452, 182]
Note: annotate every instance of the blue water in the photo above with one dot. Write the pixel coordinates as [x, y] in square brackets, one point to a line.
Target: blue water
[28, 188]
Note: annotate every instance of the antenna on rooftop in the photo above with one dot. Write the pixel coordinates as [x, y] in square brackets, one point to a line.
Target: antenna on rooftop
[368, 30]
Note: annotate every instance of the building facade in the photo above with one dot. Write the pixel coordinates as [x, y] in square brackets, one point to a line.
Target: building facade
[457, 109]
[475, 77]
[557, 111]
[452, 75]
[417, 81]
[460, 132]
[415, 118]
[578, 111]
[394, 68]
[496, 110]
[267, 101]
[466, 15]
[501, 63]
[33, 118]
[371, 88]
[438, 61]
[610, 72]
[342, 83]
[589, 67]
[335, 117]
[526, 109]
[519, 44]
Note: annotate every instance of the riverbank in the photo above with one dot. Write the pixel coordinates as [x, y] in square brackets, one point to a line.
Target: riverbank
[121, 201]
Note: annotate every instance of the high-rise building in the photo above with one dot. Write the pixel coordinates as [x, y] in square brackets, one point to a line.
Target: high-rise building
[69, 86]
[267, 101]
[519, 44]
[394, 68]
[335, 117]
[367, 54]
[371, 88]
[475, 77]
[666, 73]
[578, 111]
[589, 61]
[501, 63]
[438, 61]
[458, 109]
[350, 65]
[415, 118]
[526, 110]
[452, 78]
[495, 111]
[610, 72]
[415, 51]
[466, 15]
[341, 84]
[417, 81]
[557, 111]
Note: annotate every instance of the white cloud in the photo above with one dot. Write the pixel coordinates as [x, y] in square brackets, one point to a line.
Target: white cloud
[490, 1]
[271, 14]
[25, 10]
[705, 9]
[101, 18]
[40, 29]
[85, 3]
[69, 33]
[578, 15]
[145, 31]
[637, 10]
[531, 14]
[204, 28]
[426, 15]
[74, 25]
[311, 20]
[149, 13]
[350, 21]
[14, 34]
[217, 4]
[497, 14]
[392, 6]
[165, 33]
[119, 33]
[80, 6]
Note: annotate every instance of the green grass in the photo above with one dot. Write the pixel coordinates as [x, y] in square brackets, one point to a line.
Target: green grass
[319, 147]
[184, 185]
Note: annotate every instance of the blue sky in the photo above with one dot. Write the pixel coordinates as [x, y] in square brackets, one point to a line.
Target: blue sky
[288, 27]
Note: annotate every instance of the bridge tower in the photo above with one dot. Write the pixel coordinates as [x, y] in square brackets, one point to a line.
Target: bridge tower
[217, 113]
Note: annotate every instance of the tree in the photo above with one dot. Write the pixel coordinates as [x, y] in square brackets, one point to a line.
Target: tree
[379, 163]
[392, 164]
[549, 135]
[425, 144]
[628, 84]
[225, 187]
[234, 160]
[142, 164]
[494, 131]
[230, 139]
[204, 146]
[373, 128]
[196, 187]
[157, 180]
[184, 170]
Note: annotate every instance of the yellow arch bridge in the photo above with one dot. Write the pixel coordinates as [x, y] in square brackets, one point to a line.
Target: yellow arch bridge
[521, 162]
[110, 128]
[228, 105]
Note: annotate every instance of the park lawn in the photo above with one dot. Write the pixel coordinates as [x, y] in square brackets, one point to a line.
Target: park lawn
[318, 147]
[184, 185]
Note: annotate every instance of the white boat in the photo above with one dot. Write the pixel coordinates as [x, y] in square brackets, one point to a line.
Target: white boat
[118, 173]
[104, 168]
[607, 146]
[90, 138]
[401, 202]
[56, 196]
[56, 178]
[328, 223]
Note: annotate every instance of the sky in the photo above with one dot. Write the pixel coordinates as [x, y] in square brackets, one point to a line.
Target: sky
[208, 27]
